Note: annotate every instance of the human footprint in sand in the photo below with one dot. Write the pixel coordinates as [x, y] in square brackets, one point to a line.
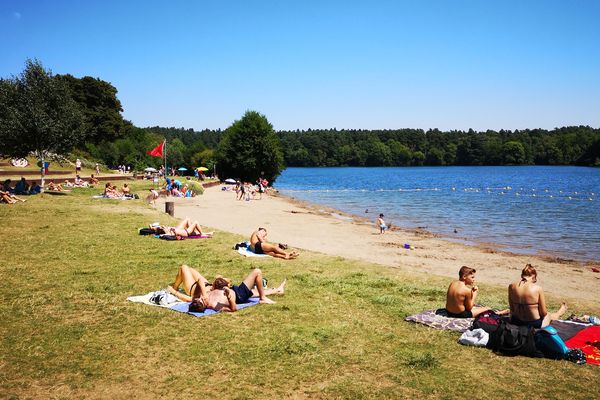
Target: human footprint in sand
[220, 295]
[528, 303]
[259, 245]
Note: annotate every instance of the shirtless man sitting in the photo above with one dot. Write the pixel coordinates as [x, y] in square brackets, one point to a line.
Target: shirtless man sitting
[259, 245]
[220, 295]
[460, 299]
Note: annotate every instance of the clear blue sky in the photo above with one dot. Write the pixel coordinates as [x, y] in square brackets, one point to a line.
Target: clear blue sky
[322, 64]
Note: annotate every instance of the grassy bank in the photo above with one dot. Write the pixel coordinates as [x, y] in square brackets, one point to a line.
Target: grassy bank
[338, 332]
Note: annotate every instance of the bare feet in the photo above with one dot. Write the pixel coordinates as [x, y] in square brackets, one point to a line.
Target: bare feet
[292, 255]
[266, 300]
[281, 288]
[563, 309]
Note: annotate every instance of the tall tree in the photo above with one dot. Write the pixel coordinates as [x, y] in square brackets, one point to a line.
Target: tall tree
[249, 148]
[37, 115]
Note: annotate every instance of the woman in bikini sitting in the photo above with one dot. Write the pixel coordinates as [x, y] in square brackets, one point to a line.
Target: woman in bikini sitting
[527, 301]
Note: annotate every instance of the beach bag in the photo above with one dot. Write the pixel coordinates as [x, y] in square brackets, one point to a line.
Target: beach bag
[550, 344]
[489, 321]
[146, 231]
[513, 340]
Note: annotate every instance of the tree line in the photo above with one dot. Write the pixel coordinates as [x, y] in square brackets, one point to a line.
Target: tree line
[42, 113]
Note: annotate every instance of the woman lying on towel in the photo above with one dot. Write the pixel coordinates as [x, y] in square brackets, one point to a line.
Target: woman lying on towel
[184, 229]
[220, 295]
[527, 301]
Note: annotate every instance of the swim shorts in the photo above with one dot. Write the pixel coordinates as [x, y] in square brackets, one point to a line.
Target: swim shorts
[258, 248]
[464, 314]
[242, 293]
[532, 324]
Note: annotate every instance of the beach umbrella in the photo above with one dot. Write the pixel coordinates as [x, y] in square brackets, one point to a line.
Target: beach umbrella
[182, 169]
[150, 169]
[202, 169]
[229, 180]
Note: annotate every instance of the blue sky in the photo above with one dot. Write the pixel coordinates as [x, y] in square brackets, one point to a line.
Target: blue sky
[323, 64]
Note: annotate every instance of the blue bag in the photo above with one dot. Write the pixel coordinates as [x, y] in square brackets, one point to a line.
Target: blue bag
[550, 344]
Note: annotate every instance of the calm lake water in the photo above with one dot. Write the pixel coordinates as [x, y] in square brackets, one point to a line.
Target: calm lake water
[532, 210]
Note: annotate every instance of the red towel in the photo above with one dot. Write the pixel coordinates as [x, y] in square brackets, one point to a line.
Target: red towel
[588, 340]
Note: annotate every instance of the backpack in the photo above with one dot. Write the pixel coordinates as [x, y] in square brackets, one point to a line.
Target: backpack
[549, 343]
[489, 321]
[513, 340]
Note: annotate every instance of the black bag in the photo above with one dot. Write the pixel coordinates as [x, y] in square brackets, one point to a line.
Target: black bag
[489, 321]
[513, 340]
[147, 231]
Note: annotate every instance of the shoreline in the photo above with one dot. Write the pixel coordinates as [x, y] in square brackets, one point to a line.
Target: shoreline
[326, 230]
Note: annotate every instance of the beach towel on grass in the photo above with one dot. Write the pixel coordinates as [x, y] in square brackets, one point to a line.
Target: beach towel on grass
[246, 252]
[173, 237]
[111, 198]
[437, 319]
[567, 329]
[588, 340]
[182, 306]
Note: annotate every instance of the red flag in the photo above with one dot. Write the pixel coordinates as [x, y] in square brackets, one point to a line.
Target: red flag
[157, 151]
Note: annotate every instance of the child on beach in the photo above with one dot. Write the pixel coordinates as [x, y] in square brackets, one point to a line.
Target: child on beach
[381, 223]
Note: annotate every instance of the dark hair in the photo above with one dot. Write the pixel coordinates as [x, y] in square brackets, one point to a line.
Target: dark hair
[464, 270]
[196, 305]
[380, 215]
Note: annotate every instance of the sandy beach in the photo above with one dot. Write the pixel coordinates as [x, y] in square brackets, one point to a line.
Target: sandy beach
[316, 228]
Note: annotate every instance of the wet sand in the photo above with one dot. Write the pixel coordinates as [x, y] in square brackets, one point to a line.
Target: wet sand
[319, 229]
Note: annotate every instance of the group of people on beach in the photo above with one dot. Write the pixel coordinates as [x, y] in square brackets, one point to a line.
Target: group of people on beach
[247, 191]
[527, 303]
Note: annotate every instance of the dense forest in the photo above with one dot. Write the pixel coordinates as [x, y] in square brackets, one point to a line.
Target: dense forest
[92, 111]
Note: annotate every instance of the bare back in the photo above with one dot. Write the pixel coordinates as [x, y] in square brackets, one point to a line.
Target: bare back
[457, 297]
[526, 301]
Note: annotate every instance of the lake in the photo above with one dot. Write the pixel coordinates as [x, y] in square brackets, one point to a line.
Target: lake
[545, 210]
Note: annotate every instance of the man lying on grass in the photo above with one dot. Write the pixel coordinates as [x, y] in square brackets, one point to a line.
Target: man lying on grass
[220, 295]
[460, 298]
[259, 245]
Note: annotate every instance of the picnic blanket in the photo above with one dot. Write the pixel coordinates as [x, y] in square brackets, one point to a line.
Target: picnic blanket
[182, 306]
[566, 329]
[588, 340]
[438, 319]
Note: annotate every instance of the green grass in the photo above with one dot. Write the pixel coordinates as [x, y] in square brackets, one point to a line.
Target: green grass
[338, 332]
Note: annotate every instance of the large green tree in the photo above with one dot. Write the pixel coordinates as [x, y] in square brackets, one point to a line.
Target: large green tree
[37, 115]
[100, 106]
[249, 148]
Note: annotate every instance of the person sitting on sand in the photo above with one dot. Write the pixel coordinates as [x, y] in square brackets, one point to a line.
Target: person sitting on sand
[381, 223]
[460, 299]
[528, 303]
[259, 245]
[220, 295]
[55, 187]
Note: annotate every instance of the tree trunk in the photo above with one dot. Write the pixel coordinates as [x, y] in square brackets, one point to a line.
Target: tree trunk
[43, 173]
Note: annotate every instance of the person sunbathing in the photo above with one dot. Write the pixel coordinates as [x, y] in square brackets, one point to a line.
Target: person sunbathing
[528, 303]
[94, 180]
[460, 298]
[220, 295]
[55, 187]
[259, 245]
[10, 198]
[125, 189]
[186, 228]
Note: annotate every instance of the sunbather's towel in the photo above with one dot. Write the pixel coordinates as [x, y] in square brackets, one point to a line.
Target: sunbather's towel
[438, 321]
[476, 337]
[182, 306]
[587, 340]
[567, 329]
[112, 198]
[246, 252]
